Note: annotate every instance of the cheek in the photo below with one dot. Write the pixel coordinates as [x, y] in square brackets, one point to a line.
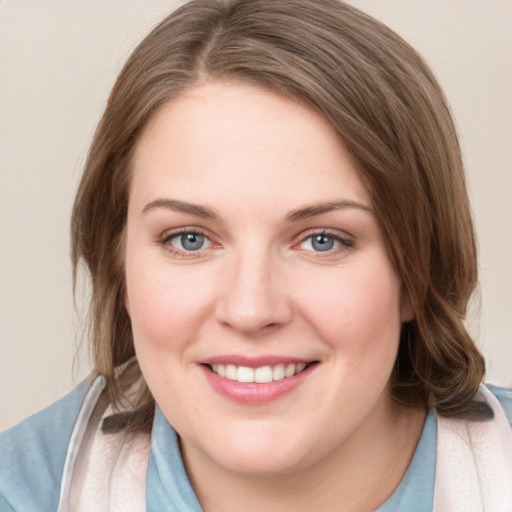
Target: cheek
[165, 304]
[358, 317]
[358, 310]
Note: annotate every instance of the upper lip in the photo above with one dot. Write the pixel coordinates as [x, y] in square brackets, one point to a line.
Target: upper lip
[254, 362]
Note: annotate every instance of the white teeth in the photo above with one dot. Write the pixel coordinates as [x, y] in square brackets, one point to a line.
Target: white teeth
[290, 370]
[245, 374]
[263, 374]
[278, 372]
[299, 368]
[231, 372]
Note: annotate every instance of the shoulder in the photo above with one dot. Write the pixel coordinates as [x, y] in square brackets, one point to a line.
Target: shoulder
[504, 396]
[33, 455]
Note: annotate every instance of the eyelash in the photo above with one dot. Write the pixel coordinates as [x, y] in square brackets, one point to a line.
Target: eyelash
[165, 241]
[344, 243]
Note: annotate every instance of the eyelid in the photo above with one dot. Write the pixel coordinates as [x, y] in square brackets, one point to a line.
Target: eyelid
[344, 238]
[169, 233]
[165, 238]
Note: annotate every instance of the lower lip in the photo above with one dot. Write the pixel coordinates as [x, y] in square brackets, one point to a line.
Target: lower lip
[253, 393]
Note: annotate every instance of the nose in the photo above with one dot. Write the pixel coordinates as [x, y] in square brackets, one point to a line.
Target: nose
[254, 297]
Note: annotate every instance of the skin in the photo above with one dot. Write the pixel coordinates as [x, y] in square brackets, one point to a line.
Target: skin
[259, 287]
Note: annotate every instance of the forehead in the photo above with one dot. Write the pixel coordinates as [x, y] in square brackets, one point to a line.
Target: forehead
[223, 139]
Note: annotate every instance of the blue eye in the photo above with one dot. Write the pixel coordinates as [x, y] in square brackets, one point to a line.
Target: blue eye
[189, 241]
[192, 241]
[323, 242]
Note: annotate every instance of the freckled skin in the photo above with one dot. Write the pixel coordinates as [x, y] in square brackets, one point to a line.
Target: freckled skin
[258, 286]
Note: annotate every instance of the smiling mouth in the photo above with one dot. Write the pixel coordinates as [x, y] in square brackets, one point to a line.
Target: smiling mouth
[261, 375]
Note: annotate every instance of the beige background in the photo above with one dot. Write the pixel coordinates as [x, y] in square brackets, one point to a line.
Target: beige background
[58, 60]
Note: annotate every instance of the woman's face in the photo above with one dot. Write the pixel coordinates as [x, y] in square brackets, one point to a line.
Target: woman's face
[265, 312]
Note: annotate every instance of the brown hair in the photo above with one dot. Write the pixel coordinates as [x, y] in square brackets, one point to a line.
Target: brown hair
[386, 106]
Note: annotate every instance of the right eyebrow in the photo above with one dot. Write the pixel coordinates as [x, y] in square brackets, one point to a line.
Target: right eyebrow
[321, 208]
[181, 206]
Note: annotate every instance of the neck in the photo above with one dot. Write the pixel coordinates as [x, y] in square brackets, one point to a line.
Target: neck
[359, 475]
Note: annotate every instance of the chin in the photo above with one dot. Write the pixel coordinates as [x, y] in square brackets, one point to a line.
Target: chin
[261, 454]
[262, 464]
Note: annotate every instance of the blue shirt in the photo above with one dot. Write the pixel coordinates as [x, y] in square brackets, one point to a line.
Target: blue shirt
[32, 456]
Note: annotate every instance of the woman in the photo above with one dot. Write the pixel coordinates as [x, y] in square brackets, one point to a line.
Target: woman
[275, 220]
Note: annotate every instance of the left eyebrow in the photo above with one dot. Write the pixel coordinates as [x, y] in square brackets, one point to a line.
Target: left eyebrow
[181, 206]
[320, 208]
